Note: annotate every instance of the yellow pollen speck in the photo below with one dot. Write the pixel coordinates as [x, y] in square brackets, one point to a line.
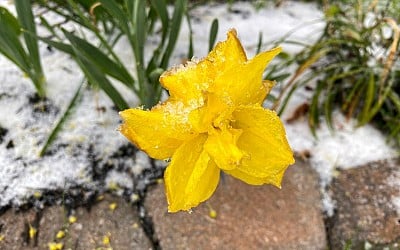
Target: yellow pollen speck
[72, 219]
[160, 180]
[113, 186]
[106, 239]
[32, 231]
[37, 194]
[212, 213]
[55, 246]
[135, 225]
[1, 237]
[134, 197]
[60, 234]
[112, 206]
[100, 198]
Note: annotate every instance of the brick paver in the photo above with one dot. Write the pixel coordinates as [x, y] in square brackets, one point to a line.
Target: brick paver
[248, 217]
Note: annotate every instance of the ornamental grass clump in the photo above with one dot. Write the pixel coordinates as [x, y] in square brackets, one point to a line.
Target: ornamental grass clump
[354, 65]
[213, 121]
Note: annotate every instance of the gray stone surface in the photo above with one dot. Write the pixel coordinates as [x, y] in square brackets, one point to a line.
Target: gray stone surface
[365, 215]
[120, 225]
[248, 217]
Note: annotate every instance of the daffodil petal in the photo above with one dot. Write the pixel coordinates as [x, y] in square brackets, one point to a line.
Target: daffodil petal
[253, 180]
[214, 112]
[221, 146]
[243, 84]
[264, 141]
[227, 54]
[191, 177]
[259, 96]
[158, 132]
[188, 82]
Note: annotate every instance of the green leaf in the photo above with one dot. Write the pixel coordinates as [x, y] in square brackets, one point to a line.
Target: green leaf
[328, 106]
[10, 45]
[66, 48]
[369, 98]
[140, 25]
[12, 48]
[190, 48]
[102, 61]
[27, 22]
[95, 76]
[62, 120]
[161, 7]
[314, 108]
[179, 11]
[47, 25]
[117, 13]
[8, 19]
[213, 34]
[260, 42]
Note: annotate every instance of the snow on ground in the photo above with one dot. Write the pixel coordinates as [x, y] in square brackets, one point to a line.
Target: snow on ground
[90, 138]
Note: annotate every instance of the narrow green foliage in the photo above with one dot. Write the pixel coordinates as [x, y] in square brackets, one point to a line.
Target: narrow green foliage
[260, 42]
[213, 34]
[28, 60]
[74, 101]
[348, 72]
[27, 22]
[100, 59]
[179, 10]
[190, 48]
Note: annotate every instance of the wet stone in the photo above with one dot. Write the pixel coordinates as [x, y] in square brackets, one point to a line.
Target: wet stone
[247, 217]
[91, 230]
[366, 216]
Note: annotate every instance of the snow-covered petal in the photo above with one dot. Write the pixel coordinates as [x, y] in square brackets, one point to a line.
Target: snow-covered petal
[158, 132]
[243, 84]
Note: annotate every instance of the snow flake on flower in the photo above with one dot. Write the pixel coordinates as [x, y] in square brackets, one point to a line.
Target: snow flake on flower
[213, 121]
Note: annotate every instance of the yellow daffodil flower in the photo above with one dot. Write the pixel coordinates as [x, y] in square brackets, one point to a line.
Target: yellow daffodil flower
[213, 121]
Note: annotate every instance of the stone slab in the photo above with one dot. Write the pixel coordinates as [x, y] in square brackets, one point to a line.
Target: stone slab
[365, 215]
[248, 217]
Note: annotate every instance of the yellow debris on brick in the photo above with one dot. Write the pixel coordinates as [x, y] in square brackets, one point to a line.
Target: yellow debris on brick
[55, 246]
[72, 219]
[60, 234]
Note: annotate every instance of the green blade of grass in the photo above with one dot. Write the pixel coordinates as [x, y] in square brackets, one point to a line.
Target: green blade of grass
[102, 61]
[213, 34]
[328, 106]
[161, 7]
[116, 12]
[314, 108]
[27, 22]
[260, 42]
[53, 135]
[95, 76]
[8, 19]
[140, 24]
[66, 48]
[179, 11]
[10, 45]
[190, 47]
[368, 100]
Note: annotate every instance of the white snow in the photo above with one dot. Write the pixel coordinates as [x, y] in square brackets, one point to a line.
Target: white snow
[92, 126]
